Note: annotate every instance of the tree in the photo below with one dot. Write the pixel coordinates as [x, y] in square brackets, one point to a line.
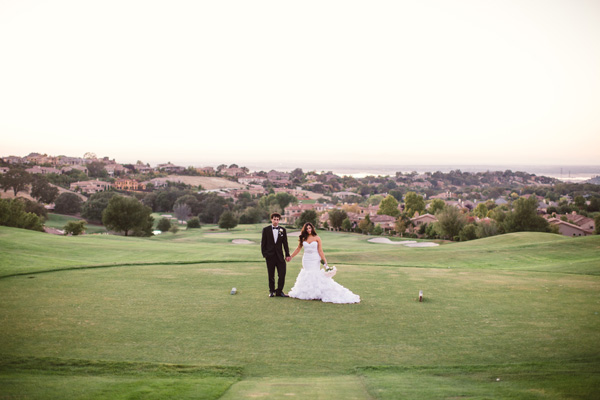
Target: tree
[524, 217]
[413, 203]
[16, 179]
[42, 191]
[389, 206]
[378, 230]
[34, 207]
[594, 204]
[191, 201]
[435, 206]
[252, 215]
[481, 210]
[74, 228]
[67, 203]
[96, 169]
[346, 224]
[164, 224]
[174, 229]
[308, 216]
[366, 226]
[128, 215]
[375, 199]
[212, 207]
[449, 223]
[579, 202]
[182, 211]
[336, 218]
[93, 208]
[228, 220]
[402, 224]
[13, 214]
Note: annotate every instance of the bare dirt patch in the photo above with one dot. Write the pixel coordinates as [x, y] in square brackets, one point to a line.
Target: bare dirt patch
[207, 182]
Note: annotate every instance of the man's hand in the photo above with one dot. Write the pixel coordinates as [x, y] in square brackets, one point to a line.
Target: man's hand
[288, 259]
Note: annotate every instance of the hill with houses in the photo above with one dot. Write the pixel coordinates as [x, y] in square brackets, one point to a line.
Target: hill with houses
[568, 207]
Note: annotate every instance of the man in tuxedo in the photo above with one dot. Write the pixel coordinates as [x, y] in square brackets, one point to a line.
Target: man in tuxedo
[274, 241]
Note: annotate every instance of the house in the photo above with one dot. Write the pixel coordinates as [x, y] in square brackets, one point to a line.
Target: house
[129, 184]
[36, 169]
[168, 167]
[113, 169]
[157, 182]
[70, 168]
[569, 229]
[63, 160]
[208, 171]
[387, 222]
[90, 187]
[423, 219]
[14, 160]
[4, 170]
[344, 195]
[581, 221]
[143, 169]
[277, 176]
[236, 172]
[248, 179]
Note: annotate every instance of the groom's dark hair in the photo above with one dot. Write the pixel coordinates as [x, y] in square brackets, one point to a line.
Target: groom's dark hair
[276, 215]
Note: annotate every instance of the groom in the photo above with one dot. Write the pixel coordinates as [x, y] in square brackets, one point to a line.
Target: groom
[274, 237]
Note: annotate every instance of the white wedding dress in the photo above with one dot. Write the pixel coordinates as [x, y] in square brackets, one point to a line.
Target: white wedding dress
[312, 284]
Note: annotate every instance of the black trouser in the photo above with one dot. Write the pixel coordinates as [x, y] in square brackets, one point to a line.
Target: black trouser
[273, 263]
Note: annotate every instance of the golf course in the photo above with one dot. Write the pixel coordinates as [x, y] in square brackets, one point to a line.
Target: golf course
[514, 316]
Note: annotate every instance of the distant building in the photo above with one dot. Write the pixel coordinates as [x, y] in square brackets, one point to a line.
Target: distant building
[90, 187]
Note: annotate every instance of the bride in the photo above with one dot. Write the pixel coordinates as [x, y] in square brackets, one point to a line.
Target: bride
[312, 283]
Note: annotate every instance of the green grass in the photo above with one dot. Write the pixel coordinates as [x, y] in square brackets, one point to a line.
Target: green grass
[522, 307]
[58, 221]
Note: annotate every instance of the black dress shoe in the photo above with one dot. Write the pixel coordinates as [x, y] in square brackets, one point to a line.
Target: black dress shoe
[272, 294]
[282, 295]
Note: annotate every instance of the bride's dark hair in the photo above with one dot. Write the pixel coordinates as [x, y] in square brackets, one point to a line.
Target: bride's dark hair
[304, 233]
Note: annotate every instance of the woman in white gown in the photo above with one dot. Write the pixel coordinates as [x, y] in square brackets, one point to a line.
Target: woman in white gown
[312, 283]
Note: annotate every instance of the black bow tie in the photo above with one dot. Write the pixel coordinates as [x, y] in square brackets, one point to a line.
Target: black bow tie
[275, 228]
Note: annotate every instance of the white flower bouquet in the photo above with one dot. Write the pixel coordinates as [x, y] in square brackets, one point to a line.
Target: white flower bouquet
[330, 271]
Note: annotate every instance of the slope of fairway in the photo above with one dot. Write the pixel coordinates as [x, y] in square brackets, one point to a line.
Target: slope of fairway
[23, 251]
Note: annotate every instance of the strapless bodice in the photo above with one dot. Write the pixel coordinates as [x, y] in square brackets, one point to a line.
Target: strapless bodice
[309, 248]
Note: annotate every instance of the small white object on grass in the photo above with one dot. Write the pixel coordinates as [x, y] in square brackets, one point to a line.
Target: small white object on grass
[233, 291]
[420, 295]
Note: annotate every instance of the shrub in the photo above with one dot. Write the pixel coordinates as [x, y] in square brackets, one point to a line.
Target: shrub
[74, 228]
[193, 223]
[13, 214]
[468, 232]
[164, 224]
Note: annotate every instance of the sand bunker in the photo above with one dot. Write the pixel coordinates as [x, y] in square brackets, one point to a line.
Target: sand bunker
[407, 243]
[241, 241]
[297, 233]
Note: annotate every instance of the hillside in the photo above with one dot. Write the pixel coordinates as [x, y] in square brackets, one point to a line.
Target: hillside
[24, 251]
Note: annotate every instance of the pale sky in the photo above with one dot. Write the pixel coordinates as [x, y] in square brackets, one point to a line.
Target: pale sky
[369, 82]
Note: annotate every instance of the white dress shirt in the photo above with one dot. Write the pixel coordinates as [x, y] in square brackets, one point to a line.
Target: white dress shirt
[275, 233]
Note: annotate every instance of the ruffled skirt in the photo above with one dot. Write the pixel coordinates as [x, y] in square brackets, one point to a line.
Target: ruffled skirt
[312, 284]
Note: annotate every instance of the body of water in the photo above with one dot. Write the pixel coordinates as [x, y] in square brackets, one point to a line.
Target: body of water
[571, 173]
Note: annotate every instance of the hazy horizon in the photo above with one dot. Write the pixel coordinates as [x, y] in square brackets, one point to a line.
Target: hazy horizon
[466, 82]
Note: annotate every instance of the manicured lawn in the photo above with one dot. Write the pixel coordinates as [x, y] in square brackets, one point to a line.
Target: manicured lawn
[521, 308]
[58, 221]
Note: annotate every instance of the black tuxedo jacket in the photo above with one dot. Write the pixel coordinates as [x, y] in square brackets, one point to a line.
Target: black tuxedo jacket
[268, 246]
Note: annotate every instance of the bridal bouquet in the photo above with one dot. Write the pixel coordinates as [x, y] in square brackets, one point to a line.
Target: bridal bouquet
[330, 271]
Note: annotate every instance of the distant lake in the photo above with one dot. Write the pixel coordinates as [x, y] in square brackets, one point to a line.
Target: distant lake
[573, 173]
